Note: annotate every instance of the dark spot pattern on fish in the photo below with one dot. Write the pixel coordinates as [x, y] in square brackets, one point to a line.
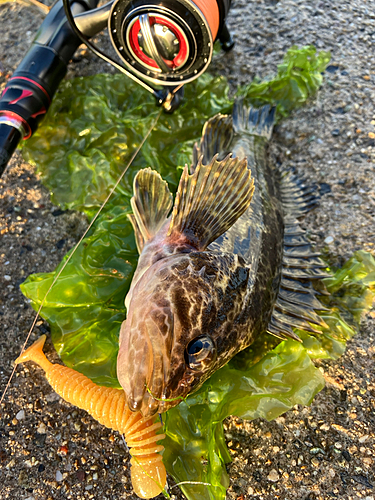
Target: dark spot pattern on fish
[228, 292]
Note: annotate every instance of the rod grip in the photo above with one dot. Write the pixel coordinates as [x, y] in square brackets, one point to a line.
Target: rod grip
[29, 92]
[9, 139]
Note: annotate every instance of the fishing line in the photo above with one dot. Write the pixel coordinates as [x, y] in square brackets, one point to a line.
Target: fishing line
[199, 483]
[181, 398]
[79, 242]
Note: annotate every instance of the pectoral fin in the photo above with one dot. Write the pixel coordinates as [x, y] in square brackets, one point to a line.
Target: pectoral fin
[209, 201]
[151, 204]
[139, 239]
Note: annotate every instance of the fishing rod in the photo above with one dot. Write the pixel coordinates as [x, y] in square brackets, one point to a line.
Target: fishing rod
[160, 44]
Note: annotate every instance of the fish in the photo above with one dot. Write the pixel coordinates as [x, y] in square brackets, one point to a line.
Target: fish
[228, 262]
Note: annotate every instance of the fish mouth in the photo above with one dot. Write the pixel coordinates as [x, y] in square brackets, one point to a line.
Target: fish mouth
[151, 365]
[143, 366]
[157, 397]
[136, 374]
[149, 391]
[150, 404]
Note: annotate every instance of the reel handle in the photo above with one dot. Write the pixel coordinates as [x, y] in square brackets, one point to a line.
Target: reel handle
[28, 93]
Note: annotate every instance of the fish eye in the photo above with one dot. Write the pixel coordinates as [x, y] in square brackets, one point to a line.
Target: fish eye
[200, 352]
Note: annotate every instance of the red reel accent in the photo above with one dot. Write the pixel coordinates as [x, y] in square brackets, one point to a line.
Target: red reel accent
[210, 11]
[15, 116]
[33, 82]
[134, 44]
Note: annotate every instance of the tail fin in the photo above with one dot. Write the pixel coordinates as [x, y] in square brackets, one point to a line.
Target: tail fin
[254, 121]
[35, 353]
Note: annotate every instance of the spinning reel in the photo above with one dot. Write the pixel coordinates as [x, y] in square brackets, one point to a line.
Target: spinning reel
[162, 44]
[166, 43]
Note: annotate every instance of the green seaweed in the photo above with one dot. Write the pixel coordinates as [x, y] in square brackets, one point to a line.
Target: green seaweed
[85, 308]
[89, 134]
[283, 378]
[95, 123]
[298, 77]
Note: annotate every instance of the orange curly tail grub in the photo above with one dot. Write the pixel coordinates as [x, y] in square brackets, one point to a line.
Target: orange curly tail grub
[108, 406]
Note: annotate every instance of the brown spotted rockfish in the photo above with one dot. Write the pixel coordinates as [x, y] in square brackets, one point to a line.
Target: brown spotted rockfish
[229, 263]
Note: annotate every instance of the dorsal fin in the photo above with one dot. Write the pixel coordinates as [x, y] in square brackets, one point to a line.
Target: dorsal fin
[151, 204]
[209, 201]
[217, 134]
[296, 304]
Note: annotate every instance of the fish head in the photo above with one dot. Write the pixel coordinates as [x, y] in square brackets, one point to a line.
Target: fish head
[174, 337]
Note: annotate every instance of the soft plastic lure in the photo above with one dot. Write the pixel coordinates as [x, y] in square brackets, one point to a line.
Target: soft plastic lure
[108, 406]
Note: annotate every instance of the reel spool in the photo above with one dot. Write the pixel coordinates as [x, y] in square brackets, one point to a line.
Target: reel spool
[167, 42]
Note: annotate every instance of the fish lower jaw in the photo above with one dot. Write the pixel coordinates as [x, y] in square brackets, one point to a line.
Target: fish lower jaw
[148, 406]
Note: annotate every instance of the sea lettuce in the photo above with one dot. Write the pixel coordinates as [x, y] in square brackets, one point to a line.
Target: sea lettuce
[298, 77]
[92, 129]
[95, 123]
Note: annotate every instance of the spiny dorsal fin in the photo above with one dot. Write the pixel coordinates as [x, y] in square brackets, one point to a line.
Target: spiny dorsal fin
[296, 304]
[209, 201]
[151, 204]
[217, 134]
